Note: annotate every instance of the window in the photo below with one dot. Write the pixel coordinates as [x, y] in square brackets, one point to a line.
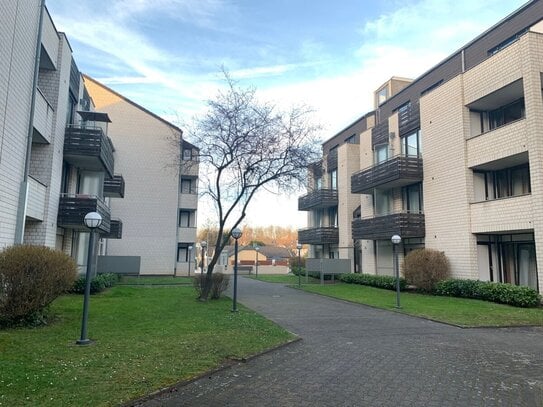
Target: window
[318, 183]
[333, 179]
[351, 139]
[182, 253]
[187, 154]
[380, 153]
[185, 220]
[318, 216]
[412, 198]
[332, 216]
[187, 186]
[506, 114]
[411, 145]
[506, 43]
[382, 95]
[505, 183]
[382, 202]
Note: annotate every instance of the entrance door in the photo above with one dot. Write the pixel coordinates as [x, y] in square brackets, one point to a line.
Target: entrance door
[484, 262]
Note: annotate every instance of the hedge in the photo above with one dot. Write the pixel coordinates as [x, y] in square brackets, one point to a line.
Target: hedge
[386, 282]
[519, 296]
[98, 283]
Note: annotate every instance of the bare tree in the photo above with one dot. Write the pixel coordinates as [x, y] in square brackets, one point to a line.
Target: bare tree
[247, 146]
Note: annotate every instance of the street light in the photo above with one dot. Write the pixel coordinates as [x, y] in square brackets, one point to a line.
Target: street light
[190, 257]
[203, 245]
[396, 240]
[236, 234]
[257, 248]
[92, 221]
[299, 247]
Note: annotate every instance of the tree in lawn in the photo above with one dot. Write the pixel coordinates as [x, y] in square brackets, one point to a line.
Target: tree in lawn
[247, 146]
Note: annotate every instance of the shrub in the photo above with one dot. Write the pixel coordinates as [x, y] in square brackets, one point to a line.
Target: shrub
[423, 268]
[386, 282]
[502, 293]
[98, 283]
[219, 283]
[31, 277]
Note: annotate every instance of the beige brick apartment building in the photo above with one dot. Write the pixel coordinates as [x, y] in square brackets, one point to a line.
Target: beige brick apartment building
[451, 161]
[58, 162]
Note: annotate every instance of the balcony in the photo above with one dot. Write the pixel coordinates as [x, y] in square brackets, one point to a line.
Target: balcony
[43, 119]
[188, 201]
[114, 187]
[36, 199]
[89, 148]
[395, 172]
[186, 234]
[115, 230]
[319, 198]
[319, 235]
[73, 208]
[383, 227]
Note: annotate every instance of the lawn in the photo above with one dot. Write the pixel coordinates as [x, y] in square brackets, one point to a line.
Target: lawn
[152, 280]
[283, 278]
[458, 311]
[146, 338]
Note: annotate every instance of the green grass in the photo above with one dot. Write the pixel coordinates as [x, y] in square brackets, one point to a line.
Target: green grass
[283, 278]
[159, 280]
[145, 339]
[458, 311]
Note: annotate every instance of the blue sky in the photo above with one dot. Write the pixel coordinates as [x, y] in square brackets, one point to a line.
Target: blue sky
[166, 54]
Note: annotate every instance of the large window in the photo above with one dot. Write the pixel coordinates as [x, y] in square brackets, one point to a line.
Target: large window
[502, 183]
[318, 183]
[186, 219]
[380, 153]
[333, 179]
[332, 216]
[183, 253]
[188, 186]
[382, 202]
[411, 146]
[412, 198]
[382, 95]
[506, 114]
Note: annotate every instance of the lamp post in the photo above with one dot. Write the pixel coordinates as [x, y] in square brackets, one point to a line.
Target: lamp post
[396, 240]
[257, 249]
[299, 247]
[92, 221]
[236, 234]
[190, 256]
[203, 245]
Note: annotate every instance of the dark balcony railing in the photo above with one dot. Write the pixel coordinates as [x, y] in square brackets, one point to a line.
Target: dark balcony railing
[114, 187]
[115, 230]
[88, 148]
[331, 160]
[395, 172]
[383, 227]
[319, 235]
[73, 208]
[319, 198]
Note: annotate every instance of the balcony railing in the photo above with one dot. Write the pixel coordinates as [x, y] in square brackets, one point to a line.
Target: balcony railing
[88, 148]
[114, 187]
[407, 225]
[36, 199]
[43, 119]
[319, 198]
[319, 235]
[395, 172]
[115, 230]
[73, 208]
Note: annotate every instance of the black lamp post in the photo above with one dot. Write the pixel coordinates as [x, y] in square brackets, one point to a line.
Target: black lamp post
[92, 221]
[396, 240]
[203, 246]
[299, 247]
[236, 234]
[257, 248]
[190, 256]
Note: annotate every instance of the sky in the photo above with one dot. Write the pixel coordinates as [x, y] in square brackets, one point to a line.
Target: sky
[166, 55]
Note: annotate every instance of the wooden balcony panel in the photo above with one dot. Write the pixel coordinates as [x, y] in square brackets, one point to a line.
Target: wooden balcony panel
[407, 225]
[379, 134]
[396, 172]
[115, 230]
[319, 198]
[331, 160]
[319, 235]
[409, 119]
[89, 148]
[73, 208]
[114, 187]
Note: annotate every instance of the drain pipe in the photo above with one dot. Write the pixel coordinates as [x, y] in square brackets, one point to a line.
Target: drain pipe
[23, 191]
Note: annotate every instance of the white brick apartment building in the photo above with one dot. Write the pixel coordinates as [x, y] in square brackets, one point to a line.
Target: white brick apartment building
[57, 161]
[451, 161]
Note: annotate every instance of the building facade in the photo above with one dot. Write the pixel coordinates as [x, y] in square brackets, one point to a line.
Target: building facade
[450, 161]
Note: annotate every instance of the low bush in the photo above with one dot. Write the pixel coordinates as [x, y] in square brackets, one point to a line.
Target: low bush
[98, 283]
[518, 296]
[31, 277]
[219, 283]
[386, 282]
[423, 268]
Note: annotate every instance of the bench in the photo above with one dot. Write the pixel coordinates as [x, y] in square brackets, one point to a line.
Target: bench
[245, 269]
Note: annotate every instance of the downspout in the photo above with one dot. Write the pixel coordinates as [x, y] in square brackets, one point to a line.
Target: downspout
[23, 191]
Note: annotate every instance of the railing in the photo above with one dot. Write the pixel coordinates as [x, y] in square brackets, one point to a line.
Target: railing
[73, 208]
[86, 141]
[405, 224]
[319, 235]
[409, 118]
[114, 187]
[115, 230]
[319, 198]
[397, 171]
[43, 117]
[331, 160]
[36, 199]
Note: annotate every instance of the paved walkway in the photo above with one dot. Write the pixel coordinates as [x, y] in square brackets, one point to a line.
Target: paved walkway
[352, 355]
